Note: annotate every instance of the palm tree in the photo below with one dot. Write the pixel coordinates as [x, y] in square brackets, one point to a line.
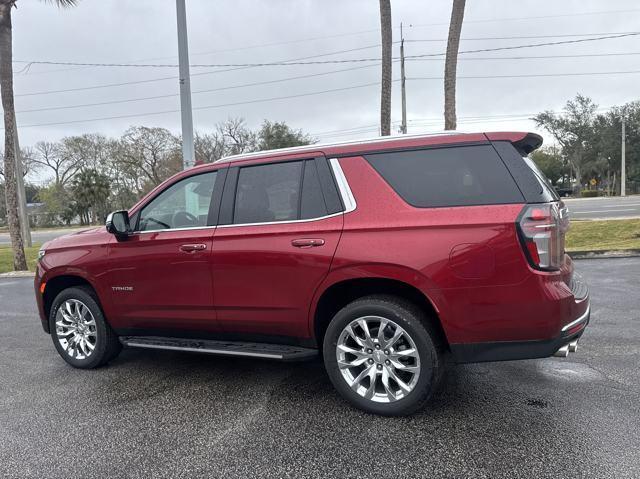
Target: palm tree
[451, 63]
[10, 132]
[385, 95]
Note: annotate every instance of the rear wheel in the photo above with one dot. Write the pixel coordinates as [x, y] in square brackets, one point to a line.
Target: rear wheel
[382, 355]
[79, 330]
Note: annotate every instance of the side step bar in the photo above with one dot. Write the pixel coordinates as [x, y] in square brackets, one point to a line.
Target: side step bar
[223, 348]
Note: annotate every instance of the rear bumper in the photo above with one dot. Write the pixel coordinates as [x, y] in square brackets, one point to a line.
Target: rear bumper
[572, 328]
[511, 350]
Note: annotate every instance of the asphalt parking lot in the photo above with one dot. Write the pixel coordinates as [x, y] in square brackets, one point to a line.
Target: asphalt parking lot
[163, 414]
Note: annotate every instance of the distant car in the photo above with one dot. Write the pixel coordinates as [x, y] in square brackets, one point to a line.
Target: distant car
[564, 191]
[385, 257]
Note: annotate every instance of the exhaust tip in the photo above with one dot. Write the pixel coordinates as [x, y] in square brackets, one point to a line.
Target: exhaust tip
[563, 352]
[573, 346]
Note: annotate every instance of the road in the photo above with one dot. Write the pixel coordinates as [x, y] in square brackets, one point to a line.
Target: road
[41, 236]
[604, 208]
[163, 414]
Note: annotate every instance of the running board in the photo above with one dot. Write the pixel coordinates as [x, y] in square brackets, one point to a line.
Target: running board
[223, 348]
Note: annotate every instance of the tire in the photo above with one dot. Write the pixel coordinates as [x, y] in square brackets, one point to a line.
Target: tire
[420, 372]
[93, 331]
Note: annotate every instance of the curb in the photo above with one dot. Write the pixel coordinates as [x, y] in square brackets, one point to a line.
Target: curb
[602, 254]
[18, 274]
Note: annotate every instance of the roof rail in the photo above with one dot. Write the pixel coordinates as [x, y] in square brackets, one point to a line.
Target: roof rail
[318, 146]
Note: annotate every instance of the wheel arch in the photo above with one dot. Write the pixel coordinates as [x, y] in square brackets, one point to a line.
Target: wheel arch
[59, 283]
[340, 293]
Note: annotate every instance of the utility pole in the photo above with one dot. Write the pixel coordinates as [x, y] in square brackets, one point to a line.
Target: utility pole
[22, 197]
[188, 154]
[623, 166]
[403, 128]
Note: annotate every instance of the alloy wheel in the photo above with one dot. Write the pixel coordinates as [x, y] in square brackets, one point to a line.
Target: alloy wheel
[378, 359]
[76, 329]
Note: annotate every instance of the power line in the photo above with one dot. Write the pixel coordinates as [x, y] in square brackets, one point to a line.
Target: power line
[209, 107]
[321, 62]
[534, 57]
[519, 37]
[361, 32]
[530, 45]
[301, 95]
[432, 121]
[531, 75]
[539, 17]
[193, 65]
[208, 90]
[523, 57]
[152, 80]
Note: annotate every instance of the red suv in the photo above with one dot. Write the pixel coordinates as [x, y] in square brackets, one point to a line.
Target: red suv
[385, 256]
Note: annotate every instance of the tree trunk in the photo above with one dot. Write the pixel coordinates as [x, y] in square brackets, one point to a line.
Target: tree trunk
[385, 94]
[451, 65]
[578, 173]
[6, 89]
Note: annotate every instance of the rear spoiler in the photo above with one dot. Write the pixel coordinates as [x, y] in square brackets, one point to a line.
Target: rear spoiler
[525, 143]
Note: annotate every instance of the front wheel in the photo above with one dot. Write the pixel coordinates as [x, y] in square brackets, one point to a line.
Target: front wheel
[79, 330]
[382, 355]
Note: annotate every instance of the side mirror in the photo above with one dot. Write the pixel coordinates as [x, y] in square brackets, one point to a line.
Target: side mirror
[118, 224]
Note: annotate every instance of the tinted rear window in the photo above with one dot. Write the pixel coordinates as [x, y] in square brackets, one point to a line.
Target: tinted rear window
[453, 176]
[545, 183]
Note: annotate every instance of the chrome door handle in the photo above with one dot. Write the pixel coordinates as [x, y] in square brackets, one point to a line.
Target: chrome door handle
[190, 248]
[307, 242]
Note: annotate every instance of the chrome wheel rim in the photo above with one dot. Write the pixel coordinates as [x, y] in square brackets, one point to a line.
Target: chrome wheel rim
[378, 359]
[76, 329]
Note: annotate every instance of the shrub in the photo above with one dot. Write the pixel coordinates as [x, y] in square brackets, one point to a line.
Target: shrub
[589, 193]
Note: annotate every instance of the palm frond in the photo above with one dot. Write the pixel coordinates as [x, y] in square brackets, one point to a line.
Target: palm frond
[63, 3]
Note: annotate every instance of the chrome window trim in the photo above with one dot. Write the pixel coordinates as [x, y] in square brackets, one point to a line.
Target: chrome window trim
[579, 320]
[343, 186]
[344, 190]
[306, 220]
[174, 229]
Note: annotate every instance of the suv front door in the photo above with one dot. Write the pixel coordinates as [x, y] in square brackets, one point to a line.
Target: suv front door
[279, 228]
[161, 275]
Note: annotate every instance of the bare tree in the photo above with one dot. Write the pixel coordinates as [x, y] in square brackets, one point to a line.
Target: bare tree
[451, 65]
[237, 137]
[10, 131]
[29, 164]
[209, 147]
[54, 157]
[151, 153]
[385, 89]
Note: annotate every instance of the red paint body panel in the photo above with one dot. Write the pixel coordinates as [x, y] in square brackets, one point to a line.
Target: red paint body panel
[264, 284]
[251, 279]
[171, 288]
[497, 304]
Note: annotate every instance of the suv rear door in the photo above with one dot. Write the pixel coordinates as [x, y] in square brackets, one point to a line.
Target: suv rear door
[279, 227]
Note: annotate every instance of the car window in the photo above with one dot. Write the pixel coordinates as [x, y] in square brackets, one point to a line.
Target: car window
[184, 204]
[267, 193]
[312, 204]
[545, 183]
[452, 176]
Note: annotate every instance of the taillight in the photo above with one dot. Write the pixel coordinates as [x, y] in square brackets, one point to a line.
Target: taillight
[542, 229]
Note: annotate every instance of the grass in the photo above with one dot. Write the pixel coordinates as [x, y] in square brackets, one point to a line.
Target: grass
[603, 235]
[6, 258]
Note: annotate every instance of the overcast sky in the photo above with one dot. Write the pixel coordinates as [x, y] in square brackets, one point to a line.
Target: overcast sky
[246, 31]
